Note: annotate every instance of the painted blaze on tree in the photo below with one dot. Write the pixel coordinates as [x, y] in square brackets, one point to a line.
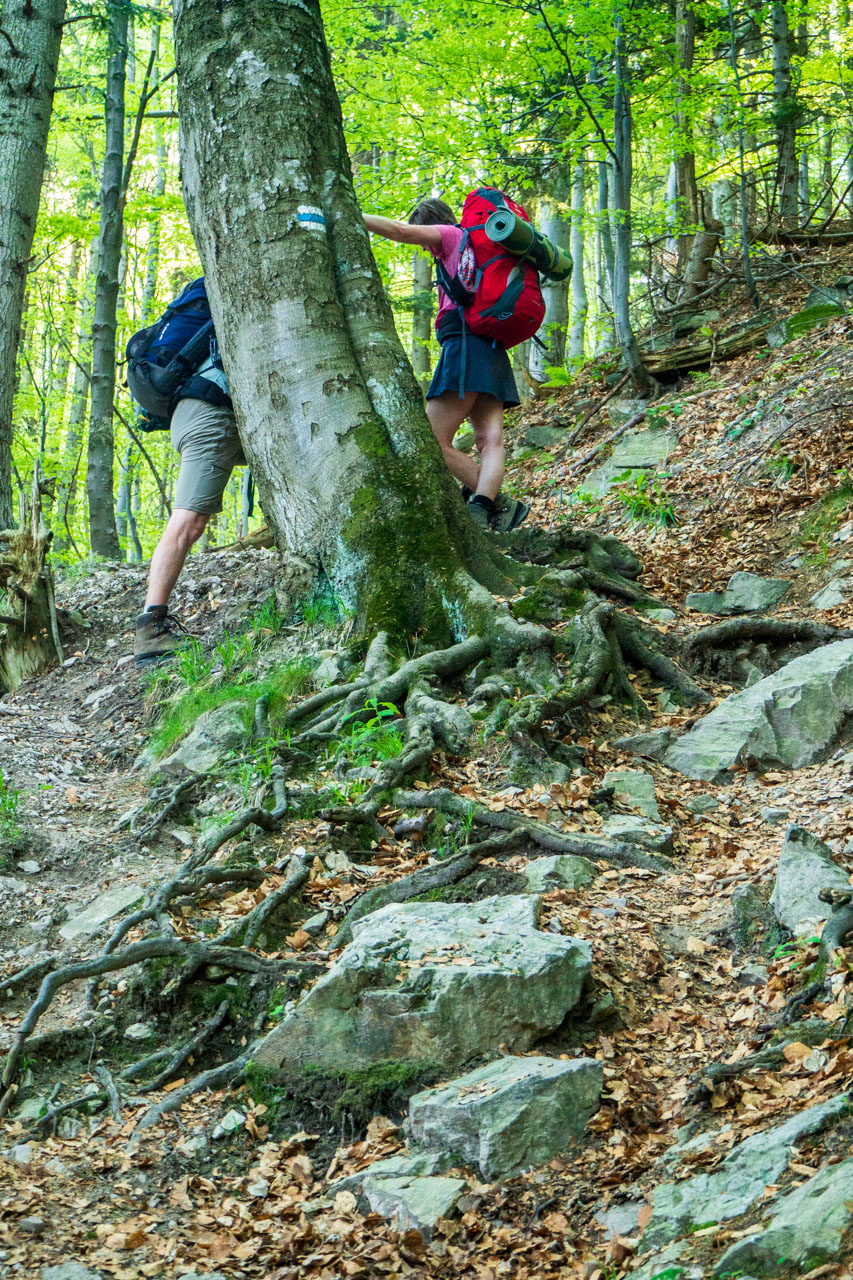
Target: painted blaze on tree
[331, 417]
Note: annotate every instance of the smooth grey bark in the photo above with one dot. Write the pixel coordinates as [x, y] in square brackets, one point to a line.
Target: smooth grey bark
[421, 316]
[68, 485]
[30, 34]
[61, 366]
[686, 196]
[99, 471]
[580, 302]
[349, 474]
[786, 115]
[152, 251]
[620, 206]
[553, 223]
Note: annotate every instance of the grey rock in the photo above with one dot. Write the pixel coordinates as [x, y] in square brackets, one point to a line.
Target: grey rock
[140, 1031]
[805, 867]
[8, 884]
[752, 975]
[69, 1127]
[706, 803]
[435, 982]
[418, 1164]
[561, 871]
[806, 1228]
[230, 1123]
[326, 673]
[653, 745]
[789, 719]
[745, 593]
[738, 1182]
[203, 1275]
[621, 408]
[634, 830]
[76, 1271]
[544, 437]
[212, 737]
[773, 814]
[747, 905]
[33, 1226]
[192, 1146]
[836, 591]
[636, 453]
[22, 1153]
[668, 1265]
[802, 322]
[32, 1108]
[620, 1219]
[413, 1203]
[634, 788]
[509, 1115]
[316, 923]
[29, 867]
[660, 615]
[105, 906]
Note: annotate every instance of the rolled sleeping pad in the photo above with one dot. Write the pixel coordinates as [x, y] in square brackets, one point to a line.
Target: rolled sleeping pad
[503, 227]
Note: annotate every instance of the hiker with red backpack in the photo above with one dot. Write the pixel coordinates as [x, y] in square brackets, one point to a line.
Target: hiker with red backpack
[489, 299]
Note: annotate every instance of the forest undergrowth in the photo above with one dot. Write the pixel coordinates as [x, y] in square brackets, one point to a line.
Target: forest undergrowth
[381, 780]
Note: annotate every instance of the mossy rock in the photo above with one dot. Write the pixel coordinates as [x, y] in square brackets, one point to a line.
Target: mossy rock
[483, 882]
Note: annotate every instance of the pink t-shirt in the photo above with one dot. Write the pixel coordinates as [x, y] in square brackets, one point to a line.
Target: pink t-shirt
[448, 256]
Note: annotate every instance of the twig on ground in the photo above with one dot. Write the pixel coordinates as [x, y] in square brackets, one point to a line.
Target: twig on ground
[100, 1073]
[229, 1073]
[587, 418]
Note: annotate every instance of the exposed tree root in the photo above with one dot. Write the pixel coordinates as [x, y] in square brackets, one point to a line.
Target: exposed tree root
[186, 1051]
[249, 927]
[616, 852]
[766, 1059]
[437, 876]
[779, 630]
[228, 1073]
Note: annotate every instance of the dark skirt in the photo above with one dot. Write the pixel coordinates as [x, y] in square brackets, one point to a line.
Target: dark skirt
[487, 369]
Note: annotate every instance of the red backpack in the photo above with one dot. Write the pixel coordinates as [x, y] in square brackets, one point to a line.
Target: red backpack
[503, 300]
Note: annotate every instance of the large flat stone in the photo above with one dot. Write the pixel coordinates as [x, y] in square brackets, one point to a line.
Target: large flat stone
[738, 1182]
[806, 1229]
[805, 867]
[634, 788]
[787, 720]
[107, 905]
[435, 982]
[745, 593]
[633, 455]
[509, 1115]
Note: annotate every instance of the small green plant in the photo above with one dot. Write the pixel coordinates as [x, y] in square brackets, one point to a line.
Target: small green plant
[374, 738]
[324, 608]
[10, 799]
[558, 376]
[267, 621]
[192, 664]
[795, 949]
[645, 500]
[593, 502]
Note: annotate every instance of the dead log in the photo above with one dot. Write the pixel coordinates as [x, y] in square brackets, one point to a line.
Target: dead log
[705, 349]
[29, 633]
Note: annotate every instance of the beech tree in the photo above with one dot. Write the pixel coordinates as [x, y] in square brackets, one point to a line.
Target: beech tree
[332, 421]
[30, 34]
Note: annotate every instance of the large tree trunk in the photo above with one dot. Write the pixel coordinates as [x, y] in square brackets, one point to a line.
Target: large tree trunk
[29, 635]
[99, 473]
[348, 472]
[786, 112]
[31, 32]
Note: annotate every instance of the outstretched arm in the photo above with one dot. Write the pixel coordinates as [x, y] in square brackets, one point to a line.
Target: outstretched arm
[428, 237]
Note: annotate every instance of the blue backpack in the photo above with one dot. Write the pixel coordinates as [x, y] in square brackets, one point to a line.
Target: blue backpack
[163, 356]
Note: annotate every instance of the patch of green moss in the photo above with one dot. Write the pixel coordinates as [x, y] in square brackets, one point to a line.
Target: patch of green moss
[823, 517]
[206, 997]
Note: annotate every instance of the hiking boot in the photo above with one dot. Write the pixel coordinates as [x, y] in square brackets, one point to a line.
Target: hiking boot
[479, 512]
[509, 513]
[157, 635]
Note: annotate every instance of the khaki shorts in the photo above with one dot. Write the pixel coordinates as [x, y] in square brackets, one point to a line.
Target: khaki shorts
[206, 437]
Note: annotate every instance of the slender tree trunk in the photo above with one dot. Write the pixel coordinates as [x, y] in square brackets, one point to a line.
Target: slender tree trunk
[786, 113]
[70, 472]
[349, 474]
[421, 315]
[152, 252]
[99, 473]
[554, 225]
[620, 206]
[687, 200]
[580, 302]
[31, 32]
[65, 344]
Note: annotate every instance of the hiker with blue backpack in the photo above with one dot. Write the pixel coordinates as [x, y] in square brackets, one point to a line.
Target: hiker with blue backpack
[176, 377]
[488, 300]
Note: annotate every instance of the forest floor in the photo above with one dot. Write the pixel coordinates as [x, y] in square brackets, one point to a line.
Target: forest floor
[757, 480]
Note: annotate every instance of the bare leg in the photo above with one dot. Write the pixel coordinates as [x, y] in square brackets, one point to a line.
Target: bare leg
[487, 419]
[184, 528]
[446, 414]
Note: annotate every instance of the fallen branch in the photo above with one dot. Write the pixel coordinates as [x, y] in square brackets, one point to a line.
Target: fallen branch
[581, 427]
[229, 1073]
[781, 630]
